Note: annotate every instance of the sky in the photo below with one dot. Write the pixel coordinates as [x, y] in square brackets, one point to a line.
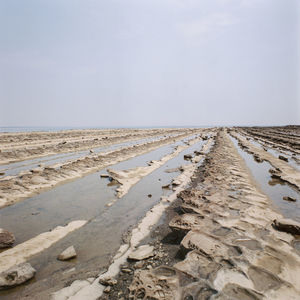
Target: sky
[149, 62]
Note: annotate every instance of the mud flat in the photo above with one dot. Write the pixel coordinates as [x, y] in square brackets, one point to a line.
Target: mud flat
[183, 216]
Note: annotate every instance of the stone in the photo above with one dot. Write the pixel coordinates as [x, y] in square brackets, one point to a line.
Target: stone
[149, 196]
[159, 283]
[142, 252]
[6, 239]
[197, 240]
[127, 270]
[104, 176]
[139, 265]
[67, 254]
[283, 158]
[108, 281]
[176, 182]
[107, 289]
[197, 265]
[288, 198]
[186, 222]
[287, 225]
[187, 156]
[198, 153]
[257, 158]
[16, 275]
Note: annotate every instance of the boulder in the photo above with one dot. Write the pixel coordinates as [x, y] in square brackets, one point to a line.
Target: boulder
[287, 225]
[67, 254]
[16, 275]
[142, 252]
[6, 239]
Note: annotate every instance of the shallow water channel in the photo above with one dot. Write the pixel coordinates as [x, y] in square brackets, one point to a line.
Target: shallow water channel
[86, 199]
[15, 168]
[274, 189]
[292, 158]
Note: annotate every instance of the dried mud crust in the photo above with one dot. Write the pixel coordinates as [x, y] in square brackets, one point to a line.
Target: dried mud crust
[216, 242]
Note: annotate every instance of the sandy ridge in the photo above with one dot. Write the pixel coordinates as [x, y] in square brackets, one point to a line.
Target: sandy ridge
[15, 189]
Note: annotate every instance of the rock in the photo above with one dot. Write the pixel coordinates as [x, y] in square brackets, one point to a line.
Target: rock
[187, 156]
[197, 265]
[176, 182]
[6, 239]
[108, 281]
[283, 158]
[198, 153]
[275, 173]
[159, 283]
[2, 173]
[142, 252]
[186, 222]
[104, 176]
[107, 289]
[287, 225]
[67, 254]
[139, 264]
[127, 270]
[196, 240]
[16, 275]
[288, 198]
[257, 158]
[91, 151]
[149, 196]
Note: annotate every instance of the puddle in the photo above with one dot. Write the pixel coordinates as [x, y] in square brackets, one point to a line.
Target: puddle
[16, 168]
[86, 198]
[275, 190]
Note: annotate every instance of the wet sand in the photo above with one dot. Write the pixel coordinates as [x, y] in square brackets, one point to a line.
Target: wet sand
[203, 198]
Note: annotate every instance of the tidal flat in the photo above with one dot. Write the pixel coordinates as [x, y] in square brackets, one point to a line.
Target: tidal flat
[170, 213]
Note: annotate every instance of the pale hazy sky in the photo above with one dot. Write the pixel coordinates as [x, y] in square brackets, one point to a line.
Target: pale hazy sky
[149, 62]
